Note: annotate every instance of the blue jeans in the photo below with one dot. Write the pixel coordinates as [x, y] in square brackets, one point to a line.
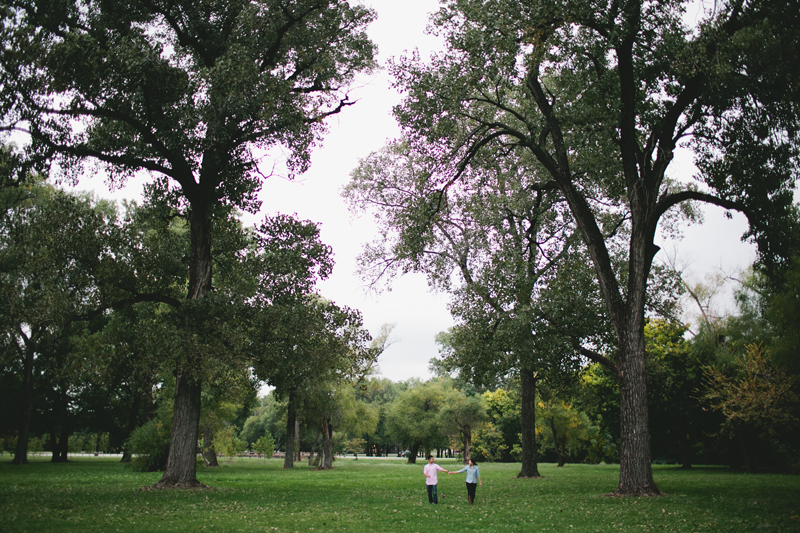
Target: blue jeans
[432, 496]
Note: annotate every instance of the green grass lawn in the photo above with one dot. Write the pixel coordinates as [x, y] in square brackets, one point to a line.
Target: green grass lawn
[382, 495]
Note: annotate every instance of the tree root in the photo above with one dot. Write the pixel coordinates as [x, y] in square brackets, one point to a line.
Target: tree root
[162, 485]
[647, 492]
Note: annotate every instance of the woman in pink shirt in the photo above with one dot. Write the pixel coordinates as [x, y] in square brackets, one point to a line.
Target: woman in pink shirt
[431, 479]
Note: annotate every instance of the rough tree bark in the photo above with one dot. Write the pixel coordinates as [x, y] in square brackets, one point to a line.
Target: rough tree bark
[21, 450]
[413, 452]
[291, 417]
[466, 437]
[297, 456]
[181, 469]
[636, 474]
[326, 449]
[59, 431]
[530, 468]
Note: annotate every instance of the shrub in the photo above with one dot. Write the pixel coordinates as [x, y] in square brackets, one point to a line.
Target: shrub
[36, 444]
[149, 445]
[228, 444]
[265, 445]
[75, 443]
[11, 444]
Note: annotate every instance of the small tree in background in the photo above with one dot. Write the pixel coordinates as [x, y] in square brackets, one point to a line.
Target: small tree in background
[753, 395]
[354, 446]
[460, 415]
[562, 427]
[412, 419]
[265, 445]
[228, 443]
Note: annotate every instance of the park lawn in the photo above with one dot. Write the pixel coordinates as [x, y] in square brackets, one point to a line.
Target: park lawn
[387, 495]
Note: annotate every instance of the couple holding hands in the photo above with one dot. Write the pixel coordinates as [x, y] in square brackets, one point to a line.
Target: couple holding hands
[431, 479]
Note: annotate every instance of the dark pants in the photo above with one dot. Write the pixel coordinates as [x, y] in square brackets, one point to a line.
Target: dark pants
[471, 492]
[432, 496]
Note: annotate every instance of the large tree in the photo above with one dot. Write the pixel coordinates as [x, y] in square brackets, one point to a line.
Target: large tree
[51, 245]
[502, 231]
[192, 94]
[291, 329]
[335, 408]
[412, 419]
[600, 94]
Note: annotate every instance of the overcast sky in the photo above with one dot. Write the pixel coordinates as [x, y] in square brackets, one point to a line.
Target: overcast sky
[366, 127]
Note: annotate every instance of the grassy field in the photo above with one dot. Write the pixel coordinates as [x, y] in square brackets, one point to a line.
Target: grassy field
[387, 495]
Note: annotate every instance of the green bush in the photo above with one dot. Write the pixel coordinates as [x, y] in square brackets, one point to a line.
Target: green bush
[228, 444]
[90, 444]
[36, 444]
[488, 444]
[11, 444]
[104, 442]
[599, 447]
[149, 445]
[75, 443]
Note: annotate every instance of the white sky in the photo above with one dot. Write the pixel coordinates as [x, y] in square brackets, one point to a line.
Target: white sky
[366, 127]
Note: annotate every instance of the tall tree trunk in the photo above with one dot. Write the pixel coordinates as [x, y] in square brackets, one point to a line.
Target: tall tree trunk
[747, 457]
[326, 458]
[530, 468]
[291, 417]
[181, 469]
[133, 417]
[414, 451]
[297, 440]
[686, 450]
[313, 451]
[21, 450]
[635, 472]
[60, 428]
[466, 437]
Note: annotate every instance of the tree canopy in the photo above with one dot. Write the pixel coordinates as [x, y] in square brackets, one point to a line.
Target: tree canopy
[192, 94]
[600, 95]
